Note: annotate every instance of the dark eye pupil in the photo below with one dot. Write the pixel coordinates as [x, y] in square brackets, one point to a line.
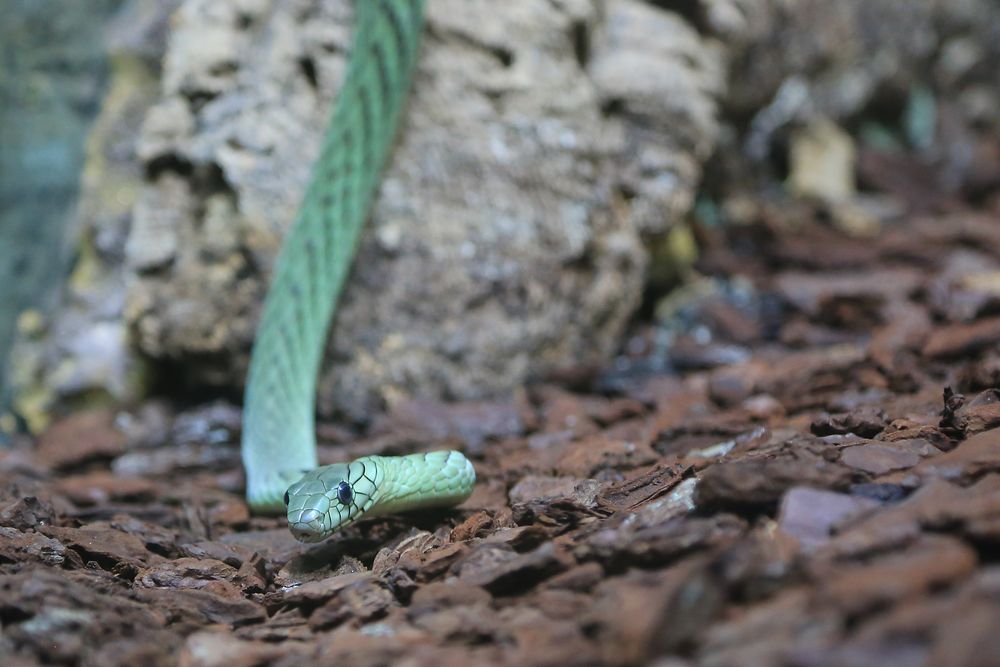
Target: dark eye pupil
[286, 498]
[344, 493]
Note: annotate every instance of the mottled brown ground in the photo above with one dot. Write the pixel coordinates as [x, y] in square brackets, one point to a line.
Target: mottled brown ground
[801, 469]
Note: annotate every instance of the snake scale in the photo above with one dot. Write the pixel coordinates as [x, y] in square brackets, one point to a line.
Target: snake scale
[279, 442]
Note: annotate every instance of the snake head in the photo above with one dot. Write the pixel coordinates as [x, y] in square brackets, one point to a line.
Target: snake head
[322, 502]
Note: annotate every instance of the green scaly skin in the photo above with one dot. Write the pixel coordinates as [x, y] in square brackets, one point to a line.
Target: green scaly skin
[329, 498]
[279, 443]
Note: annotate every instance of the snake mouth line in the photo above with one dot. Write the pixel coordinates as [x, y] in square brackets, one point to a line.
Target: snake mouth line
[308, 527]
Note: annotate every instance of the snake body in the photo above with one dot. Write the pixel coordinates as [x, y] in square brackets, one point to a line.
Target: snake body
[278, 441]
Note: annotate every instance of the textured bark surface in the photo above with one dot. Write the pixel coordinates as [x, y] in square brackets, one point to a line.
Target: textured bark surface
[501, 246]
[829, 498]
[506, 240]
[795, 61]
[545, 143]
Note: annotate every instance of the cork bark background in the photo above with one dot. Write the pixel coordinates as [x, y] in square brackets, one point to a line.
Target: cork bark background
[547, 148]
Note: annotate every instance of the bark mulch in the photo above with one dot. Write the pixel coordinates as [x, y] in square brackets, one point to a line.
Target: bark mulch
[801, 467]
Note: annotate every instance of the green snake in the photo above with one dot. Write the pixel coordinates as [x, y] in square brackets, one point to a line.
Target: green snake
[278, 441]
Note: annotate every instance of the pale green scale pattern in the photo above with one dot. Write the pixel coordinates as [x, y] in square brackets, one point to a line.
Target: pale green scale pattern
[378, 485]
[279, 442]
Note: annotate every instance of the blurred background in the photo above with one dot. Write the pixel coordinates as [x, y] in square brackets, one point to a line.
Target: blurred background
[560, 166]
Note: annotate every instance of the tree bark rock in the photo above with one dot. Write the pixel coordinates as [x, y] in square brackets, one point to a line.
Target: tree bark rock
[541, 141]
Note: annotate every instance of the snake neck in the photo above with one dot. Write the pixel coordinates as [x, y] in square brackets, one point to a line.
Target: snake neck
[423, 481]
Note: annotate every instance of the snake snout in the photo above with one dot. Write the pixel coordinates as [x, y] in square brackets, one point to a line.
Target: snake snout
[308, 527]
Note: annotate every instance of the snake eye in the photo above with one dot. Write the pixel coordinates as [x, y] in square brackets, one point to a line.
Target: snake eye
[344, 493]
[286, 498]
